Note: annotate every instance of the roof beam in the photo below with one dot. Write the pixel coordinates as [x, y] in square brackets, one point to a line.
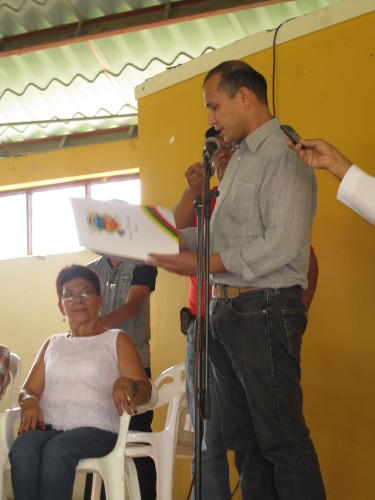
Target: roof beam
[135, 20]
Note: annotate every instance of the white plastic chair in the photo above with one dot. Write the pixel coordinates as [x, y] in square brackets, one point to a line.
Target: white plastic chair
[15, 371]
[163, 446]
[115, 468]
[8, 419]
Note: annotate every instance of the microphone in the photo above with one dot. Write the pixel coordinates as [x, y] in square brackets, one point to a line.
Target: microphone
[210, 149]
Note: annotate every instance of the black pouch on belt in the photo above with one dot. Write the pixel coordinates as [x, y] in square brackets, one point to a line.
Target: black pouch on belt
[185, 317]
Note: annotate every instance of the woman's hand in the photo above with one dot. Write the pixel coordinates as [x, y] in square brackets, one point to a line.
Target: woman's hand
[124, 395]
[30, 415]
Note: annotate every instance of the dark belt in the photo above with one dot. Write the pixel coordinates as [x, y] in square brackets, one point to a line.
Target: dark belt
[225, 292]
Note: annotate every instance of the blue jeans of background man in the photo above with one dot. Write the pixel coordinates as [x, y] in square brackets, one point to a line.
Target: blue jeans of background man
[214, 464]
[44, 462]
[255, 352]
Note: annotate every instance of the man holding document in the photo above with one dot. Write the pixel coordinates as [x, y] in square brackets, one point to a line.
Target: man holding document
[260, 235]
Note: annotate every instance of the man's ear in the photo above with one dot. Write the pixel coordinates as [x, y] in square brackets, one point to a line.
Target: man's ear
[245, 96]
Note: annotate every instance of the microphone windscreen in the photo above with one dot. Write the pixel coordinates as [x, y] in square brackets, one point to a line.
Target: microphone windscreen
[211, 148]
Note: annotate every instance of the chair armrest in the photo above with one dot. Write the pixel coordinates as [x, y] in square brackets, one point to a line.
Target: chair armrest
[140, 437]
[125, 418]
[152, 401]
[7, 420]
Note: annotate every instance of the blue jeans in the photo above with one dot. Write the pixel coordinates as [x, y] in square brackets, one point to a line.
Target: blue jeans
[255, 352]
[214, 464]
[44, 462]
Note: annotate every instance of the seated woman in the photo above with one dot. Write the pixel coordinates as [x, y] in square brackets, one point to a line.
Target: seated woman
[79, 383]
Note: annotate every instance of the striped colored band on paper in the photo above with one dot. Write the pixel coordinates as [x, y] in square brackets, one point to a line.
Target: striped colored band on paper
[158, 218]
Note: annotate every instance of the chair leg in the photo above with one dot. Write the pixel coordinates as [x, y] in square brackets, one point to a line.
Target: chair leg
[114, 481]
[96, 488]
[3, 485]
[132, 479]
[164, 470]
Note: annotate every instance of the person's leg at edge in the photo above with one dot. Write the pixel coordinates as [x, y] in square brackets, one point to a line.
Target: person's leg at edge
[215, 470]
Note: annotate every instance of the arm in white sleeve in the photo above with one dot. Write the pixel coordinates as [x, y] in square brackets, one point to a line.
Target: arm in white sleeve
[357, 191]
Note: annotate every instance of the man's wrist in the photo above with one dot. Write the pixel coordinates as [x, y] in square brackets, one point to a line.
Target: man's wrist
[340, 166]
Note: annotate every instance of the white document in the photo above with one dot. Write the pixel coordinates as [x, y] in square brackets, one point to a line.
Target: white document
[123, 231]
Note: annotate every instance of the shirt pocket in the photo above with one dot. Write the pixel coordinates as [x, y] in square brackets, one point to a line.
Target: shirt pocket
[241, 207]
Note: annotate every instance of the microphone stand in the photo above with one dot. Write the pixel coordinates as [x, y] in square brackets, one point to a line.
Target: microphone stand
[202, 399]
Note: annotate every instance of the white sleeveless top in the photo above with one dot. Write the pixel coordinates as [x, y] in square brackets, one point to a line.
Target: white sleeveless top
[79, 377]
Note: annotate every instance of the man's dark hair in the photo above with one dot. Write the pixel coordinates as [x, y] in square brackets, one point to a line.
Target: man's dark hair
[237, 74]
[76, 271]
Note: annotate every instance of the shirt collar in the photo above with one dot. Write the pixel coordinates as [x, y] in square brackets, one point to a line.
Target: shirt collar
[255, 139]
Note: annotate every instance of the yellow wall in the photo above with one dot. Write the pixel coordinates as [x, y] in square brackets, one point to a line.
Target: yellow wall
[324, 88]
[61, 166]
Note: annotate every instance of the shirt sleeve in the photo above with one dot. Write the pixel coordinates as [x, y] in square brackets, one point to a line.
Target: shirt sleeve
[357, 191]
[190, 236]
[145, 275]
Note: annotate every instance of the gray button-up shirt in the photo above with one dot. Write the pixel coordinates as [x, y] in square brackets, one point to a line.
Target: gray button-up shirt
[262, 222]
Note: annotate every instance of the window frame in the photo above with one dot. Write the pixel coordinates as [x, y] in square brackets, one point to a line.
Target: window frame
[87, 183]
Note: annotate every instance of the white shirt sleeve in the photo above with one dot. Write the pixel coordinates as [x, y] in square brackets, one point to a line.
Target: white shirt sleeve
[357, 191]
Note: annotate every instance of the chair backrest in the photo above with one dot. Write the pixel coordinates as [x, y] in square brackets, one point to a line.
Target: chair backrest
[171, 388]
[15, 371]
[185, 432]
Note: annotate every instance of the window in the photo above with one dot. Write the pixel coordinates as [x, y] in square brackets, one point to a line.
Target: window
[13, 227]
[53, 220]
[41, 222]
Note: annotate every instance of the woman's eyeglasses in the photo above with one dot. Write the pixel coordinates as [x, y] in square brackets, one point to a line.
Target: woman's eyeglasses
[84, 294]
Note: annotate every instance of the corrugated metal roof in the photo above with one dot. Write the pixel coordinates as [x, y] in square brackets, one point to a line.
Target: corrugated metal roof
[60, 87]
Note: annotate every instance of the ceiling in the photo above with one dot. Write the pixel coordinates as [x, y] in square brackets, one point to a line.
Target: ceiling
[68, 69]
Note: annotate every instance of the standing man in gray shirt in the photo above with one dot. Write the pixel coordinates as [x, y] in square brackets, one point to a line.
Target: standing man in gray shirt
[260, 246]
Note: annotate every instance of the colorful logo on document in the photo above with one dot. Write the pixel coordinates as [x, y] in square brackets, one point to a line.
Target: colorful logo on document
[105, 223]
